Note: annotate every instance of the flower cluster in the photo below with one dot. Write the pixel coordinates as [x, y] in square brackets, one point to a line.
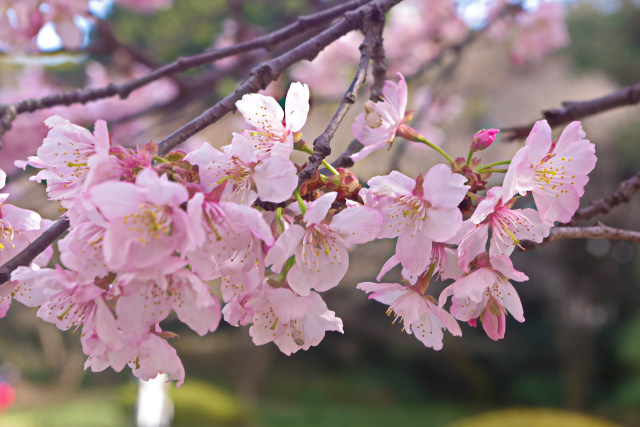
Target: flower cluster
[443, 220]
[150, 234]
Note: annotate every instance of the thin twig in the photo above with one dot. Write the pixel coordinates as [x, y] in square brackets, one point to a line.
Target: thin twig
[571, 111]
[34, 249]
[269, 41]
[623, 194]
[268, 71]
[372, 26]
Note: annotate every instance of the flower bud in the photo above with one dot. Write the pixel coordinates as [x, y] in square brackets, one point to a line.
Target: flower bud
[483, 139]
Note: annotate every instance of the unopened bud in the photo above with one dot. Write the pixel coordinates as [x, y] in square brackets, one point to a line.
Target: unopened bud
[483, 139]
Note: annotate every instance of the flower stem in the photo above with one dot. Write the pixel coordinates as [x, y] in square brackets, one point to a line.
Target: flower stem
[301, 204]
[490, 165]
[443, 153]
[493, 170]
[330, 168]
[469, 156]
[305, 149]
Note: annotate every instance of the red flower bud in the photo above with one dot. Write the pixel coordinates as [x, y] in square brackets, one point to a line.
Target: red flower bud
[483, 139]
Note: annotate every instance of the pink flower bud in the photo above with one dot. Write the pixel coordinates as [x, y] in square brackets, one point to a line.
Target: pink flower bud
[483, 139]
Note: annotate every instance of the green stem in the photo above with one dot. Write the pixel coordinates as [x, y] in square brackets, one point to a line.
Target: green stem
[490, 165]
[305, 149]
[469, 157]
[435, 147]
[493, 170]
[301, 204]
[331, 168]
[160, 159]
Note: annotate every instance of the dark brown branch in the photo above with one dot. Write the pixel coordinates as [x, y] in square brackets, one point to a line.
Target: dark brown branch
[29, 253]
[372, 26]
[599, 231]
[623, 194]
[571, 111]
[268, 71]
[83, 96]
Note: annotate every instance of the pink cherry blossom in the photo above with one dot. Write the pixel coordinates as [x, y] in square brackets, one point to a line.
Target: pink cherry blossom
[321, 248]
[418, 313]
[418, 211]
[273, 128]
[229, 236]
[146, 354]
[508, 226]
[487, 289]
[145, 223]
[377, 127]
[143, 303]
[555, 173]
[291, 321]
[65, 155]
[30, 286]
[274, 178]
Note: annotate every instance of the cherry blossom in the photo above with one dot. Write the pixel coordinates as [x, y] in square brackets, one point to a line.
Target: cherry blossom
[65, 155]
[419, 314]
[145, 223]
[274, 178]
[555, 173]
[229, 236]
[321, 248]
[487, 293]
[291, 321]
[143, 303]
[377, 126]
[273, 128]
[418, 211]
[508, 226]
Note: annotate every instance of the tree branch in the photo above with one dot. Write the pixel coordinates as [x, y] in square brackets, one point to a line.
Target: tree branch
[623, 194]
[599, 231]
[34, 249]
[571, 110]
[372, 27]
[268, 71]
[9, 112]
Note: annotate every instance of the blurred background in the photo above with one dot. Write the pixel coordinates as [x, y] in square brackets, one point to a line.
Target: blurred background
[576, 359]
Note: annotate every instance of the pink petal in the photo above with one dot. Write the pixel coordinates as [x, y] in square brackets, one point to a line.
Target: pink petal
[284, 247]
[539, 141]
[296, 106]
[317, 210]
[357, 225]
[444, 189]
[571, 134]
[414, 250]
[276, 179]
[395, 184]
[262, 112]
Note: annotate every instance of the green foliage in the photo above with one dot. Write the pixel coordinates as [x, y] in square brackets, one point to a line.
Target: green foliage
[89, 410]
[615, 50]
[523, 417]
[185, 29]
[196, 403]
